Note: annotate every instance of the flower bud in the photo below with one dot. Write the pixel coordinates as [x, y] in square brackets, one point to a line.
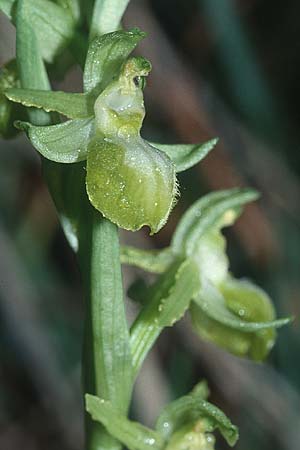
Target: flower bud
[128, 180]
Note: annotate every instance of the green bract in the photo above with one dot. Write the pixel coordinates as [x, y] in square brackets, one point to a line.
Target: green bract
[234, 314]
[53, 24]
[130, 181]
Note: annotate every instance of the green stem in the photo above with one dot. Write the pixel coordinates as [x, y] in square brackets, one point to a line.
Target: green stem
[107, 370]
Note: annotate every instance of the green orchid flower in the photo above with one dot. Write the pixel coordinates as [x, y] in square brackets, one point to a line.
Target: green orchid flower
[234, 314]
[130, 181]
[184, 424]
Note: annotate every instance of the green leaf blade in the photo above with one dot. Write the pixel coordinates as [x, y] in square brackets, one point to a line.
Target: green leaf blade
[185, 156]
[107, 15]
[31, 67]
[74, 106]
[54, 26]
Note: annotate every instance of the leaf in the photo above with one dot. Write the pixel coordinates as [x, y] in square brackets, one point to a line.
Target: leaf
[191, 408]
[53, 25]
[185, 156]
[65, 143]
[73, 6]
[212, 302]
[107, 15]
[167, 301]
[132, 434]
[154, 261]
[74, 106]
[105, 57]
[206, 213]
[31, 68]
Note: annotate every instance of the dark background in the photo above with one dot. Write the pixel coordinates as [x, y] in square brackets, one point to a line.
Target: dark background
[221, 68]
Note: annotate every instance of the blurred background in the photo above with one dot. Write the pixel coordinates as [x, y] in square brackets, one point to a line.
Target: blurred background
[226, 68]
